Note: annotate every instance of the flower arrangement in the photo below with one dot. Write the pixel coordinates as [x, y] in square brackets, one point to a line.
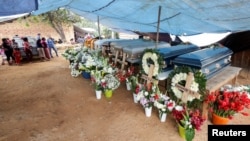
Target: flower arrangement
[135, 86]
[178, 76]
[69, 54]
[190, 120]
[73, 54]
[125, 75]
[87, 63]
[228, 103]
[164, 104]
[147, 95]
[75, 72]
[110, 82]
[96, 77]
[152, 56]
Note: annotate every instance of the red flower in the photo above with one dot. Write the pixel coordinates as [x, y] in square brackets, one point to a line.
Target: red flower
[227, 103]
[183, 116]
[156, 97]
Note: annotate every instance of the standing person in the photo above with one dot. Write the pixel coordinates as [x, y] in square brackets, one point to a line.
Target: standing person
[17, 55]
[38, 36]
[14, 44]
[3, 56]
[40, 49]
[51, 46]
[45, 47]
[8, 50]
[27, 49]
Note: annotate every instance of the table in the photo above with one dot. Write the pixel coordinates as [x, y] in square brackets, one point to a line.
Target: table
[224, 77]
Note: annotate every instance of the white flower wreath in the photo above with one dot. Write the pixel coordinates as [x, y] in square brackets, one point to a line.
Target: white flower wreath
[154, 58]
[178, 78]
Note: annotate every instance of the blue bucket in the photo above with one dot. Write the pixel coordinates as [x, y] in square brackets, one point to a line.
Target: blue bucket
[86, 75]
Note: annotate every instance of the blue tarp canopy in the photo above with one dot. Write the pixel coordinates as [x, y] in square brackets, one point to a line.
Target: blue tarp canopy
[178, 17]
[16, 7]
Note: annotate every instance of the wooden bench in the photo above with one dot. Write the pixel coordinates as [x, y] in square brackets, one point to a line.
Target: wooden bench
[227, 76]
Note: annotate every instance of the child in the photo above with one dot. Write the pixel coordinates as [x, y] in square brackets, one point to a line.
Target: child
[17, 55]
[3, 56]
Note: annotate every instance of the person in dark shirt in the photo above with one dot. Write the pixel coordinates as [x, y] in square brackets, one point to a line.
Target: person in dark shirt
[8, 50]
[40, 49]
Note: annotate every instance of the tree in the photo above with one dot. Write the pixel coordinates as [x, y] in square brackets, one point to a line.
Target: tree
[59, 18]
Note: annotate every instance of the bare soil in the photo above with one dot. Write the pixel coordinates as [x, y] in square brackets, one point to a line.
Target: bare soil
[41, 101]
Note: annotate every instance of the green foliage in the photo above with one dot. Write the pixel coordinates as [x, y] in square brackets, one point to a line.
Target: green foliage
[189, 134]
[60, 16]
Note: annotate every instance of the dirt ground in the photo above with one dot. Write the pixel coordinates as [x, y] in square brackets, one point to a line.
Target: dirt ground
[41, 101]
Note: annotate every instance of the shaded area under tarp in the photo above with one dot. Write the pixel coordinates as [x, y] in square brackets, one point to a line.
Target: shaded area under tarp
[237, 42]
[153, 35]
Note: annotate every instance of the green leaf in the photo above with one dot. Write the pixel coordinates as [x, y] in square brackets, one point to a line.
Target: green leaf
[189, 133]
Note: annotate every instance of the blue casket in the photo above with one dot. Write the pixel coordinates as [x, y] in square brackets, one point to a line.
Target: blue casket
[118, 45]
[170, 53]
[135, 51]
[208, 60]
[99, 44]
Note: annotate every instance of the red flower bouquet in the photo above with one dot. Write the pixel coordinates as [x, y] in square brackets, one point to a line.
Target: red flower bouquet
[228, 103]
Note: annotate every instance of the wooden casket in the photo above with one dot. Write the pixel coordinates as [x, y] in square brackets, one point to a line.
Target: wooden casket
[134, 51]
[170, 53]
[209, 61]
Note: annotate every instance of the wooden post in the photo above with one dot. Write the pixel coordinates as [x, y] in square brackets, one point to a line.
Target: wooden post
[158, 26]
[98, 22]
[116, 56]
[124, 56]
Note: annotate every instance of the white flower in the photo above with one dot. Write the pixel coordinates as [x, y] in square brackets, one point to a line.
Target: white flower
[178, 108]
[110, 70]
[178, 78]
[139, 95]
[154, 58]
[194, 87]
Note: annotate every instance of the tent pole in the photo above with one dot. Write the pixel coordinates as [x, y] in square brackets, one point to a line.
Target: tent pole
[158, 25]
[98, 22]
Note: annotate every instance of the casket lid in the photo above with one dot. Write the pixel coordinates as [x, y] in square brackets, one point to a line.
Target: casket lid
[140, 47]
[177, 50]
[203, 57]
[104, 41]
[121, 43]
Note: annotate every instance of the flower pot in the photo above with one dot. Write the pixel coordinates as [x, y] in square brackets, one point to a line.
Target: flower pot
[162, 116]
[128, 85]
[98, 94]
[135, 98]
[108, 93]
[148, 111]
[86, 75]
[182, 131]
[218, 120]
